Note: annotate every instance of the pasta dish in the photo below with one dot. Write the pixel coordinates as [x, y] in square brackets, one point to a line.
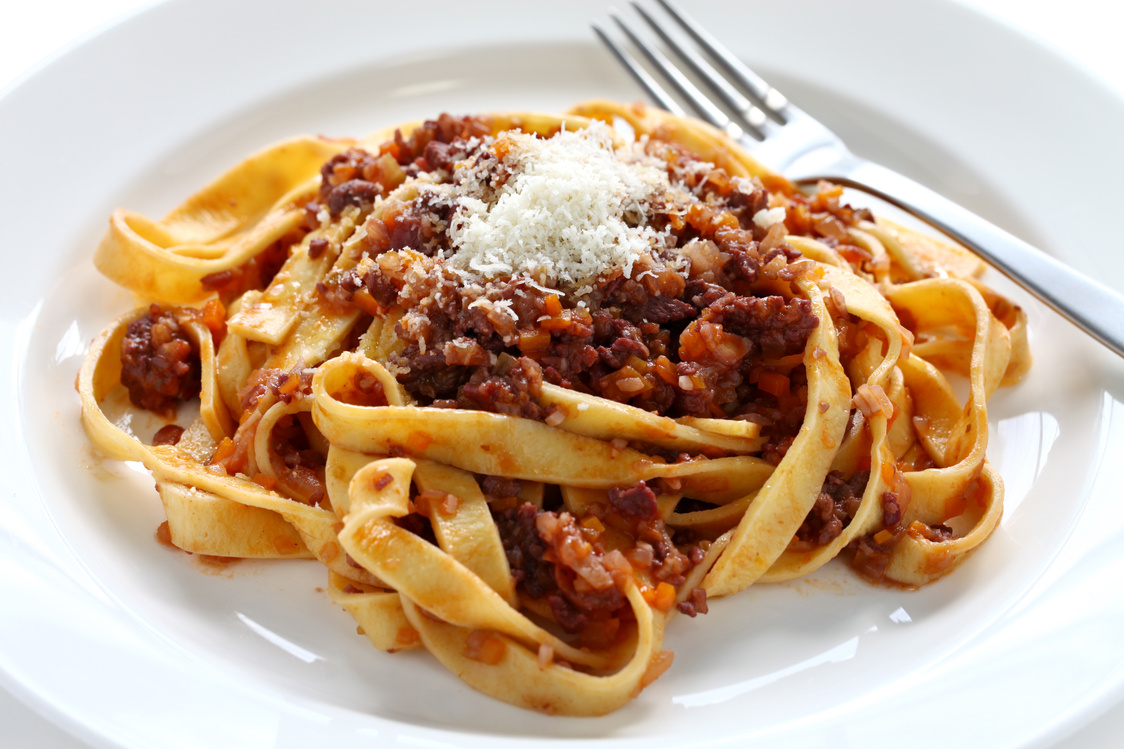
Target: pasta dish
[529, 386]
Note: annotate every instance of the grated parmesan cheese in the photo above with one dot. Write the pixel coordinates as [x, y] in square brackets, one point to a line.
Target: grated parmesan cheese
[559, 218]
[499, 305]
[766, 217]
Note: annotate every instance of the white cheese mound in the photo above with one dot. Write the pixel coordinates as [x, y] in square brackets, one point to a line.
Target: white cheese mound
[559, 218]
[766, 217]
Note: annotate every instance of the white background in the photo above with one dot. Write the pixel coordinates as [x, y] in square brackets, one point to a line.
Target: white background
[1088, 32]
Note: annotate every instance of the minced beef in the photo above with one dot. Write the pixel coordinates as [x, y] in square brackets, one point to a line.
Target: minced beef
[836, 504]
[159, 363]
[775, 326]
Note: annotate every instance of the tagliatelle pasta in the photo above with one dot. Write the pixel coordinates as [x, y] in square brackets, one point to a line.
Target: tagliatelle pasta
[531, 385]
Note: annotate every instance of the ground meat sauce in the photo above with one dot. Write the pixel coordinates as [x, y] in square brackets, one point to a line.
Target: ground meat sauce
[358, 177]
[279, 384]
[837, 503]
[562, 562]
[301, 468]
[159, 362]
[170, 434]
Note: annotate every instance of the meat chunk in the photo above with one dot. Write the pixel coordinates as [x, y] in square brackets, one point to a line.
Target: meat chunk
[778, 327]
[159, 364]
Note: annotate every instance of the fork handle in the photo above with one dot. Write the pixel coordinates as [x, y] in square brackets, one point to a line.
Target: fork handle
[1091, 306]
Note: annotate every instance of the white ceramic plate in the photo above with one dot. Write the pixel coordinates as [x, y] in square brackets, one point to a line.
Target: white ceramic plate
[127, 644]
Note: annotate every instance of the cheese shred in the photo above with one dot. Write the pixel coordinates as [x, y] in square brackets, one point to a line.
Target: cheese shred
[561, 211]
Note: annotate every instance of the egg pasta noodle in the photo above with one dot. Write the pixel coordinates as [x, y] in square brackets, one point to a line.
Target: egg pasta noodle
[531, 385]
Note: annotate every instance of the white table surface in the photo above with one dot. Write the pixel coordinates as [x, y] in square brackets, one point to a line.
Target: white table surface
[1088, 32]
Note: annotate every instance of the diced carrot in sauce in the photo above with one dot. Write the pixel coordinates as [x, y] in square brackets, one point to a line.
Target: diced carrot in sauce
[773, 383]
[265, 482]
[883, 536]
[661, 597]
[224, 450]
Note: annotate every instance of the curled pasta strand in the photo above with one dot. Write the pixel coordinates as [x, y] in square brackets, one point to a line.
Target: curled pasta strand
[373, 540]
[787, 496]
[221, 227]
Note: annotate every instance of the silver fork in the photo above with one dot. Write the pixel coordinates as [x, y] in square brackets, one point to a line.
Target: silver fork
[788, 140]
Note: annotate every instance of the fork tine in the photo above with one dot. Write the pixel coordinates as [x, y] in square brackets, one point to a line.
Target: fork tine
[702, 104]
[750, 114]
[772, 100]
[646, 81]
